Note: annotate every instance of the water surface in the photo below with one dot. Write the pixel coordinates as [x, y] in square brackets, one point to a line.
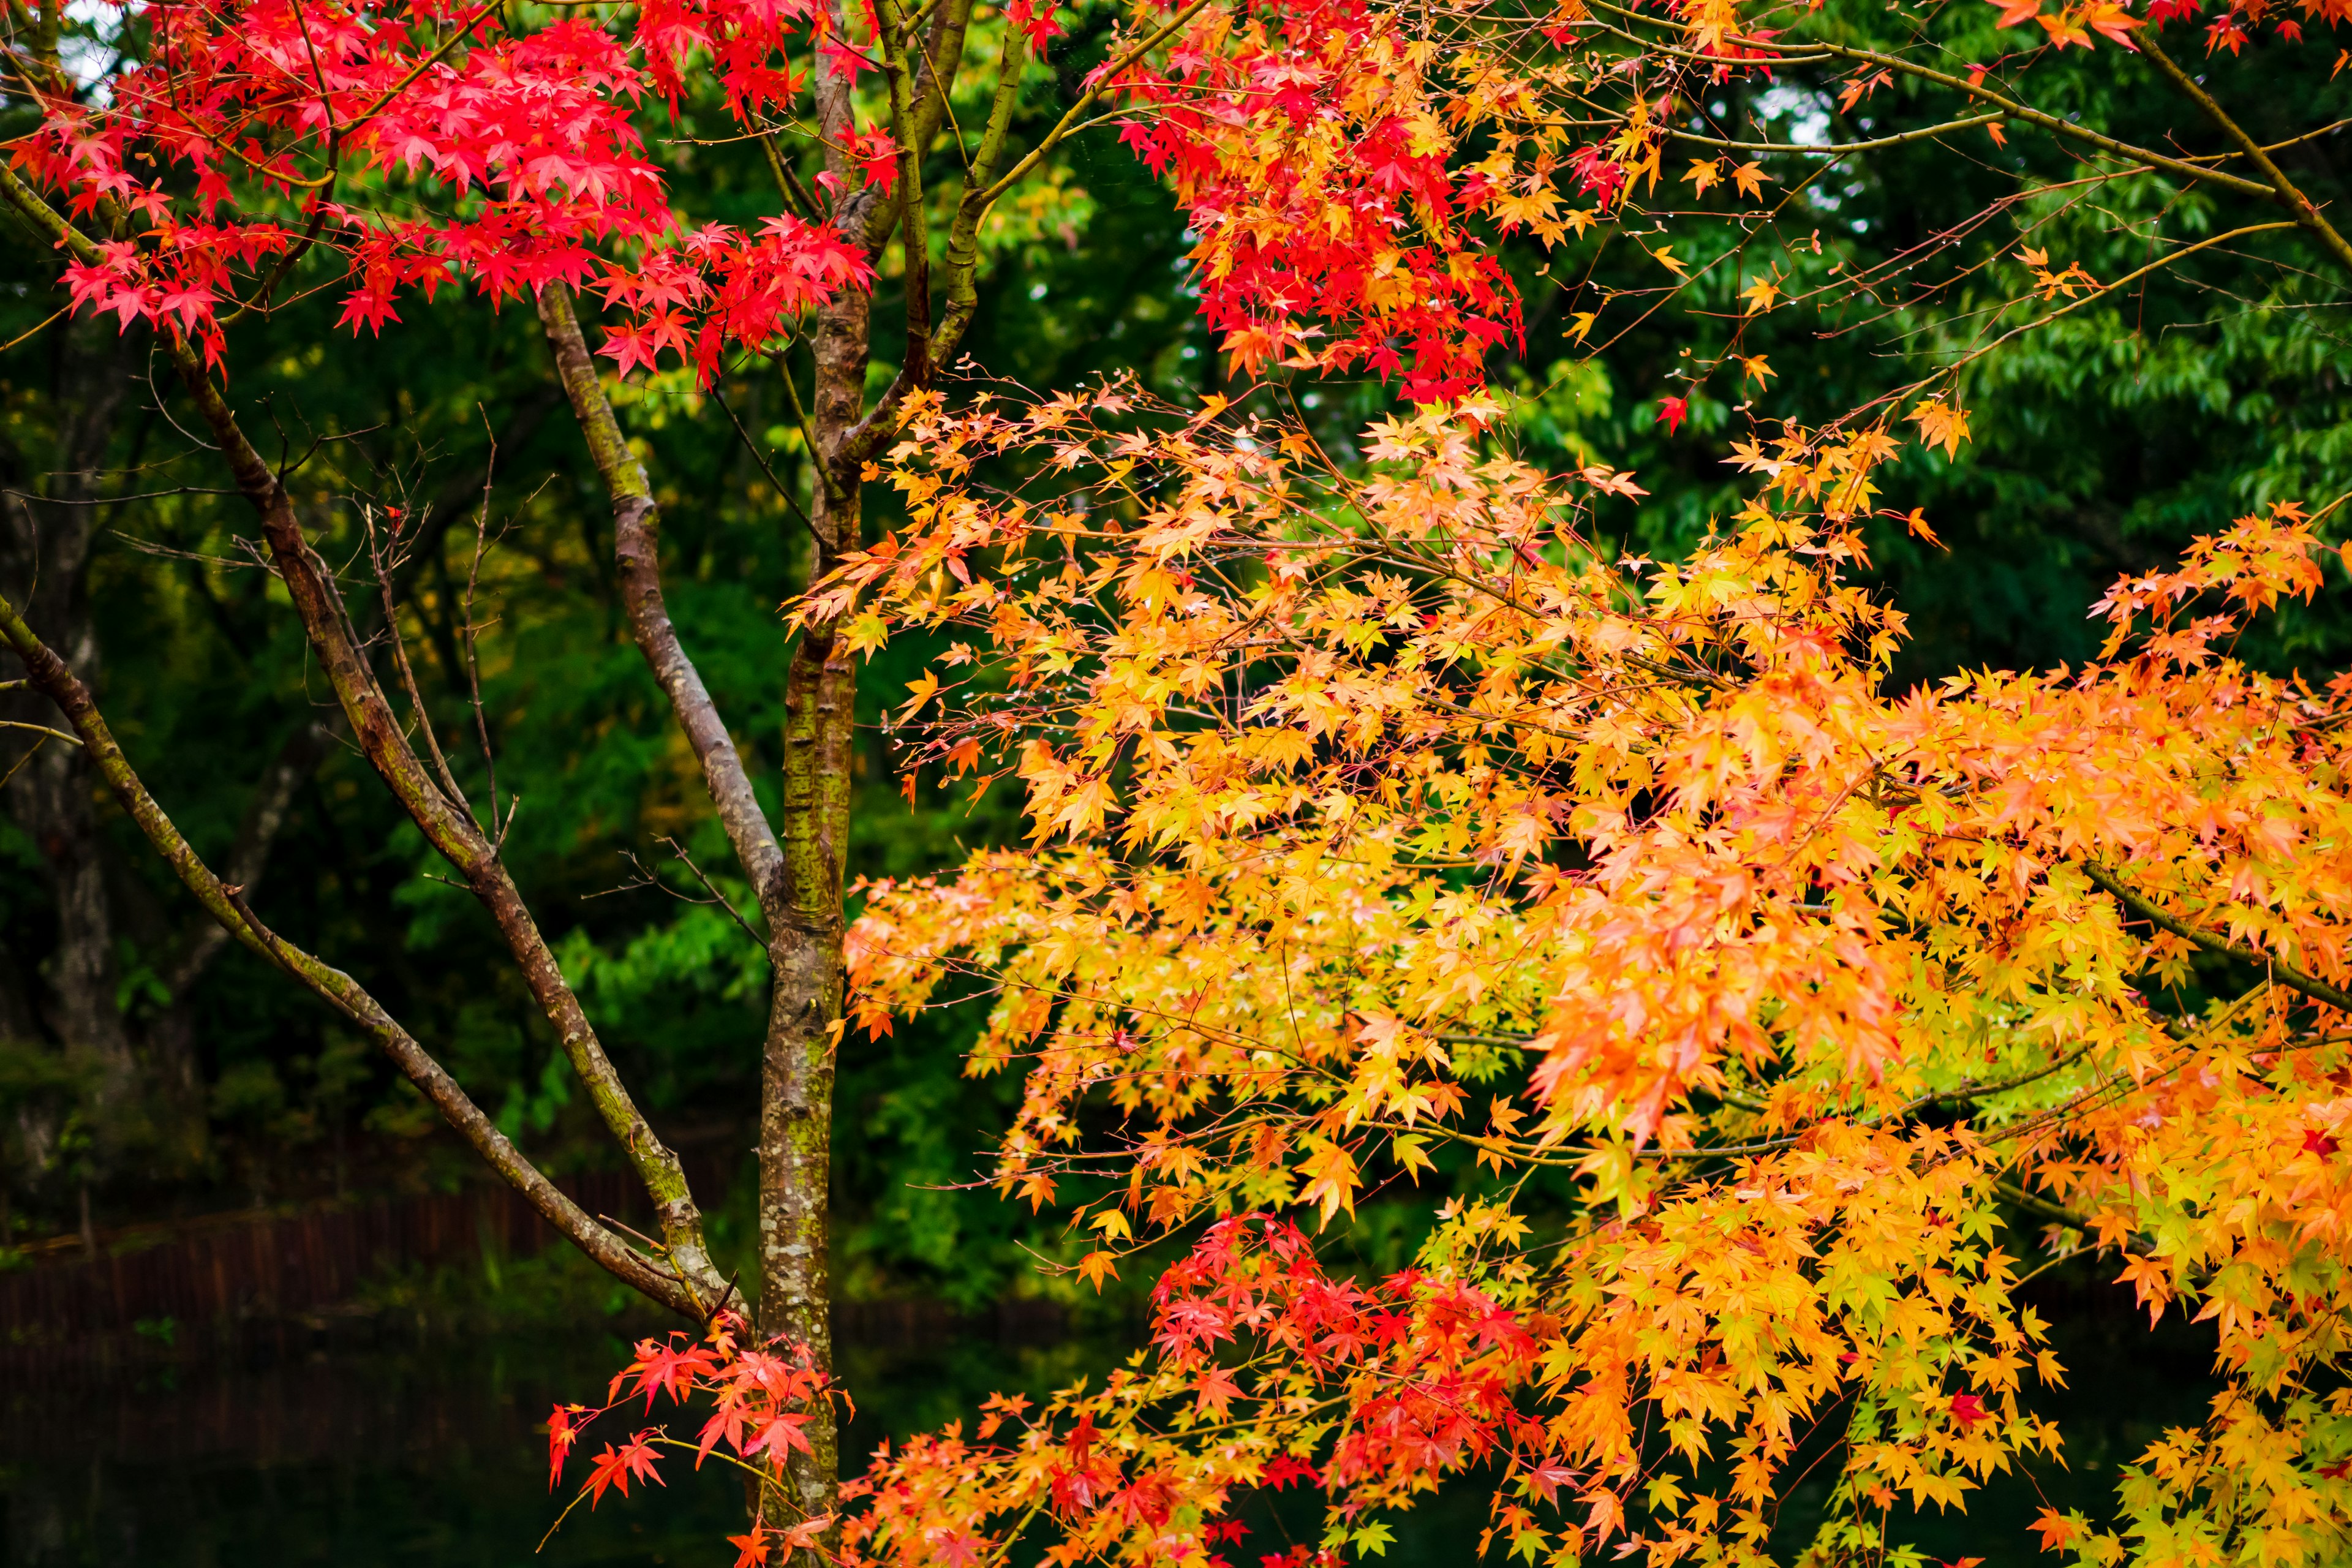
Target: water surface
[399, 1455]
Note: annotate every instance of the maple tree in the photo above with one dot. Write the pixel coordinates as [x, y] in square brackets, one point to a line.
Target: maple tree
[1404, 823]
[1757, 1027]
[1389, 786]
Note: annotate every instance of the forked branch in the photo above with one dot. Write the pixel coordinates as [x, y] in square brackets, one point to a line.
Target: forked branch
[49, 673]
[446, 825]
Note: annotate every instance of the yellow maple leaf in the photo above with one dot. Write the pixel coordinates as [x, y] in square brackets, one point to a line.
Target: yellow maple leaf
[1704, 174]
[920, 690]
[1759, 295]
[1941, 425]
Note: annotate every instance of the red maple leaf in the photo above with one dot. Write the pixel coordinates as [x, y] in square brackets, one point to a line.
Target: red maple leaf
[666, 1367]
[1671, 412]
[779, 1433]
[1286, 1469]
[1968, 1410]
[1546, 1479]
[561, 1434]
[617, 1466]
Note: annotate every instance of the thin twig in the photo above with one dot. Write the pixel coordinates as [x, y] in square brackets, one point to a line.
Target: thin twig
[381, 561]
[761, 458]
[42, 729]
[473, 664]
[19, 765]
[721, 899]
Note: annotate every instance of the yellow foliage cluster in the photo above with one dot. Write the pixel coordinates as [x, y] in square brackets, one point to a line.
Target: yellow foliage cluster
[1387, 829]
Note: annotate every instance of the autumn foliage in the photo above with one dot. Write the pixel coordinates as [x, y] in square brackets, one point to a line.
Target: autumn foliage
[430, 146]
[1398, 822]
[1756, 1025]
[1765, 1026]
[1386, 830]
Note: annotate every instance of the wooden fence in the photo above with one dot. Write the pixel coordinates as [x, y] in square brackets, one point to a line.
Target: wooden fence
[223, 1281]
[259, 1289]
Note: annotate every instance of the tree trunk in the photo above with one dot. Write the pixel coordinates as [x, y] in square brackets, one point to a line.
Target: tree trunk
[804, 1026]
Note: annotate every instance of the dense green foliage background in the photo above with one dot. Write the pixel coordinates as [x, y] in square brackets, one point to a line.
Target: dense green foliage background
[2100, 445]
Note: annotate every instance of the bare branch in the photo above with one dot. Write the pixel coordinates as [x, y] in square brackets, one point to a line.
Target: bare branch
[2281, 190]
[636, 546]
[448, 827]
[225, 904]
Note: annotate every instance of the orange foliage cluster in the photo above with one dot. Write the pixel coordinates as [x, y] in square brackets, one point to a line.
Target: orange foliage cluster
[1395, 820]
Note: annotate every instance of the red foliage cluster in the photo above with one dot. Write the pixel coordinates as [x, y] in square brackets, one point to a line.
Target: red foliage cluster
[427, 143]
[1411, 1378]
[1417, 1374]
[1317, 173]
[760, 1394]
[1449, 1354]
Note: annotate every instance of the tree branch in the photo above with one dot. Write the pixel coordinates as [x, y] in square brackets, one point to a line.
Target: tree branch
[447, 827]
[2009, 105]
[1103, 80]
[906, 97]
[332, 985]
[637, 545]
[2284, 973]
[982, 188]
[962, 263]
[2283, 190]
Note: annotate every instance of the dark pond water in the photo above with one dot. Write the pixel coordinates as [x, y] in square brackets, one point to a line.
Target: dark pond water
[400, 1457]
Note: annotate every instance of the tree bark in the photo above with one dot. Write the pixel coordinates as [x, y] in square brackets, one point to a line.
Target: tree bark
[797, 1068]
[804, 1016]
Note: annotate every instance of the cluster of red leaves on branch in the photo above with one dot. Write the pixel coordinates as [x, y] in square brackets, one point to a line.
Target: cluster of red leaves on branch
[759, 1395]
[1412, 838]
[1268, 1371]
[427, 143]
[1257, 1350]
[1315, 154]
